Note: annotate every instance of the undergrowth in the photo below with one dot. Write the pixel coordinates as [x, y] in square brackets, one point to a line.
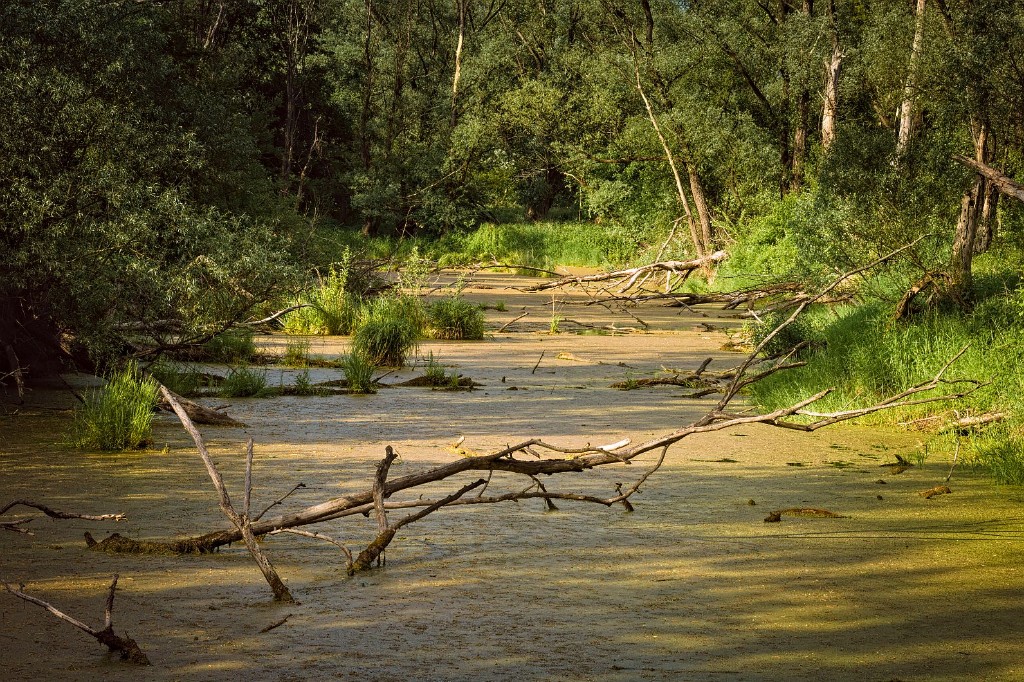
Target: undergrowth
[867, 355]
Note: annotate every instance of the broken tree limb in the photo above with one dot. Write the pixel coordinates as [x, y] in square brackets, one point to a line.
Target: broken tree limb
[16, 372]
[56, 514]
[241, 521]
[125, 646]
[1004, 183]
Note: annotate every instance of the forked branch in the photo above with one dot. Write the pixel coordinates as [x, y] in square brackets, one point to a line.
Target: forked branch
[125, 646]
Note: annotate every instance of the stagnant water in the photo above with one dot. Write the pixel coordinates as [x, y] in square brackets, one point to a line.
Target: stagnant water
[692, 585]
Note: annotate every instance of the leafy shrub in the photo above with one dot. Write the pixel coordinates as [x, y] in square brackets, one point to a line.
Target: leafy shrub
[388, 330]
[118, 416]
[244, 382]
[455, 318]
[358, 373]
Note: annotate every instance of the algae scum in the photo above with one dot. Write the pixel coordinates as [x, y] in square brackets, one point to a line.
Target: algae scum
[692, 585]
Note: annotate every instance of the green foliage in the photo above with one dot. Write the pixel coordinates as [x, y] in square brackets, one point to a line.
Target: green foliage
[244, 382]
[118, 416]
[304, 385]
[455, 318]
[132, 192]
[539, 245]
[389, 329]
[358, 371]
[868, 356]
[233, 346]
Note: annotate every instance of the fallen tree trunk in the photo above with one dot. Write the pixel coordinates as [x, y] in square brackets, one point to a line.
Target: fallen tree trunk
[196, 412]
[1004, 183]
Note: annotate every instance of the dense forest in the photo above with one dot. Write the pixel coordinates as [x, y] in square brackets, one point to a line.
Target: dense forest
[170, 168]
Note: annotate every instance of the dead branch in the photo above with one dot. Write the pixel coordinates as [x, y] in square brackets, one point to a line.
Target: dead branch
[279, 313]
[276, 624]
[16, 371]
[56, 514]
[510, 322]
[242, 522]
[1004, 183]
[125, 646]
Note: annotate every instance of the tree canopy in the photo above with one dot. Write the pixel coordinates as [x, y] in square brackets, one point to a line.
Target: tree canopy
[165, 163]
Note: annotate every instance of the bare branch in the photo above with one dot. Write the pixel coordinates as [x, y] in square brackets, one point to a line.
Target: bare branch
[55, 514]
[125, 646]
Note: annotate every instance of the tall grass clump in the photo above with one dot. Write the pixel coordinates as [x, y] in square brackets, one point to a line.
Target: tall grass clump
[358, 373]
[867, 355]
[331, 309]
[455, 318]
[118, 416]
[244, 382]
[389, 329]
[296, 353]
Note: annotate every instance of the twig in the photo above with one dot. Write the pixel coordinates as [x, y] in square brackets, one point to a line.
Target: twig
[275, 624]
[538, 362]
[956, 454]
[509, 323]
[279, 501]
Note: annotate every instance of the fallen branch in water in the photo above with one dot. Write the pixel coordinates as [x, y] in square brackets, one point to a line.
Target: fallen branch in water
[56, 514]
[125, 646]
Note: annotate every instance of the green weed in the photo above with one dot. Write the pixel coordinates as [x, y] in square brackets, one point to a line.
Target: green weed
[244, 382]
[232, 346]
[332, 309]
[389, 329]
[455, 318]
[358, 371]
[118, 416]
[185, 380]
[296, 353]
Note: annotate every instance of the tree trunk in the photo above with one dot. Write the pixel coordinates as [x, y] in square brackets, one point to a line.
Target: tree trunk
[458, 59]
[966, 235]
[906, 116]
[703, 212]
[831, 98]
[803, 108]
